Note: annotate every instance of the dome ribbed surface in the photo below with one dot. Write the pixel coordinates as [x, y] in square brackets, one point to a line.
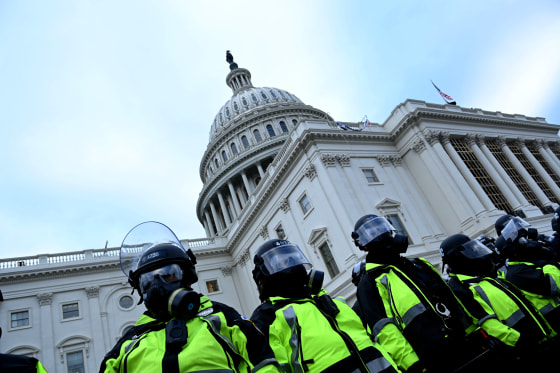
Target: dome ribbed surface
[247, 100]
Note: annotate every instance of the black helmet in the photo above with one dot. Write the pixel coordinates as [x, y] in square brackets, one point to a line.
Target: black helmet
[281, 269]
[501, 222]
[376, 232]
[152, 245]
[358, 271]
[555, 222]
[465, 256]
[371, 228]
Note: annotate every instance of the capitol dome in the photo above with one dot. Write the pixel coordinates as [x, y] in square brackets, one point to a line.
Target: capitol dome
[246, 100]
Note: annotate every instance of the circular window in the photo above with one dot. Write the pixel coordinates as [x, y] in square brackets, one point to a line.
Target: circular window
[126, 302]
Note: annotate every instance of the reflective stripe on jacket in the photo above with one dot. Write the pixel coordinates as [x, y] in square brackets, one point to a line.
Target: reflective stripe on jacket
[305, 338]
[212, 346]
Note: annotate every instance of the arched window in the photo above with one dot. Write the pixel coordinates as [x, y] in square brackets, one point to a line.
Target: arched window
[264, 95]
[235, 106]
[224, 156]
[254, 98]
[283, 126]
[270, 130]
[257, 135]
[245, 101]
[245, 141]
[227, 112]
[273, 94]
[294, 122]
[217, 163]
[234, 148]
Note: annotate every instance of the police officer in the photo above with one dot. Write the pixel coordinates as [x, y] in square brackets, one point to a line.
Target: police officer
[531, 268]
[307, 329]
[410, 309]
[358, 271]
[10, 363]
[503, 311]
[181, 330]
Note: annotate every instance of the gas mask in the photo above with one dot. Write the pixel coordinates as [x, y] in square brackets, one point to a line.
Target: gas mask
[164, 295]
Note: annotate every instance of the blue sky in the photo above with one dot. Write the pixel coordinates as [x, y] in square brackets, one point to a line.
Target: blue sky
[106, 106]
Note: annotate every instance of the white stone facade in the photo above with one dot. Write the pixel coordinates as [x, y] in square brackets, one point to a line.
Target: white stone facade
[434, 170]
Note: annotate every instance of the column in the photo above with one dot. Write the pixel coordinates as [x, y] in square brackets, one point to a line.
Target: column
[464, 189]
[247, 184]
[48, 354]
[497, 173]
[548, 156]
[215, 217]
[225, 211]
[210, 232]
[96, 332]
[261, 171]
[234, 198]
[556, 145]
[543, 199]
[467, 174]
[539, 168]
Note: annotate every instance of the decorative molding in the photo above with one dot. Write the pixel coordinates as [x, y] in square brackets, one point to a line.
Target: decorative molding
[396, 160]
[285, 205]
[471, 140]
[329, 160]
[539, 144]
[45, 299]
[419, 146]
[310, 172]
[226, 270]
[501, 140]
[264, 232]
[431, 136]
[444, 138]
[92, 292]
[520, 143]
[384, 160]
[343, 159]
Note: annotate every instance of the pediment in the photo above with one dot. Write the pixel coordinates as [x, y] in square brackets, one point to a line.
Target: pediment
[387, 204]
[316, 234]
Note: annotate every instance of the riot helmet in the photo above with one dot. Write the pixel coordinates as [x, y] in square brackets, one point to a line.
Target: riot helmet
[358, 271]
[156, 264]
[465, 256]
[373, 232]
[281, 269]
[501, 222]
[555, 222]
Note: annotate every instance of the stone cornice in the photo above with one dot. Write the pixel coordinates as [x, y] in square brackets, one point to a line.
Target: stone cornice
[54, 271]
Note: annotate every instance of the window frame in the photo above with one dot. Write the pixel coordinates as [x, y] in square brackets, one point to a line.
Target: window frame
[374, 174]
[29, 319]
[332, 262]
[65, 319]
[300, 199]
[208, 281]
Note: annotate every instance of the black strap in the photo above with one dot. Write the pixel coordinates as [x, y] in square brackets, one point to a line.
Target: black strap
[176, 335]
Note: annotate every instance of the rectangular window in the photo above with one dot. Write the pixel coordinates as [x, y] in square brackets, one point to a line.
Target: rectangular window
[280, 233]
[328, 258]
[70, 310]
[75, 362]
[20, 319]
[370, 175]
[305, 204]
[212, 286]
[398, 225]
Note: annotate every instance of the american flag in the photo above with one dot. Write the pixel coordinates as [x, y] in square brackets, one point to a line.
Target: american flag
[446, 97]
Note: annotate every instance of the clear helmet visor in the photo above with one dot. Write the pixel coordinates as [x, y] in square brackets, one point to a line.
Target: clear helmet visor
[512, 228]
[169, 273]
[140, 239]
[373, 228]
[283, 257]
[475, 249]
